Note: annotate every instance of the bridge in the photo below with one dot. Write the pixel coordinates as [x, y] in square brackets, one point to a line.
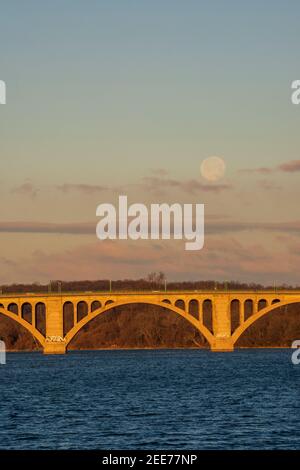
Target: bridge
[222, 335]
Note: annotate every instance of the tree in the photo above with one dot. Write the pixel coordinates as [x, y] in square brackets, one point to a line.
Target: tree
[156, 277]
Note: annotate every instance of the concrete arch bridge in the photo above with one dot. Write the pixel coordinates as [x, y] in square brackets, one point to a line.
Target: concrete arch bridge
[27, 309]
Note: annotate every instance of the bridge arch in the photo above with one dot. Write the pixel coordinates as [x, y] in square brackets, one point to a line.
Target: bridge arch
[13, 307]
[248, 308]
[17, 318]
[193, 308]
[82, 310]
[95, 305]
[259, 314]
[196, 323]
[262, 304]
[206, 312]
[26, 312]
[235, 313]
[180, 303]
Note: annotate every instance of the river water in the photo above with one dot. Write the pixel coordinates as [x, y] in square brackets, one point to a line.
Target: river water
[150, 399]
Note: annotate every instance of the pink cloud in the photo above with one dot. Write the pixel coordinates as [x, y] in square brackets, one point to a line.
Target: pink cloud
[290, 167]
[261, 170]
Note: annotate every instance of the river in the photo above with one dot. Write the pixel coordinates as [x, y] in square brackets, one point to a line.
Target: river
[150, 399]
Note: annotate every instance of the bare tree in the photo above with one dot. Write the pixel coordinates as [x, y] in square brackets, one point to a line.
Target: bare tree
[156, 278]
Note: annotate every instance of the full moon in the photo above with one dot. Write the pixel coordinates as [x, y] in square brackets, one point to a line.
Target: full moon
[212, 168]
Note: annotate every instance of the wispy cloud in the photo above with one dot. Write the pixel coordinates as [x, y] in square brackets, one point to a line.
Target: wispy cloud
[44, 227]
[291, 166]
[82, 188]
[260, 170]
[268, 185]
[159, 171]
[160, 185]
[212, 226]
[157, 182]
[26, 189]
[235, 226]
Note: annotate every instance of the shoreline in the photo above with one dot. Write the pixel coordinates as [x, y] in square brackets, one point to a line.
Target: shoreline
[144, 349]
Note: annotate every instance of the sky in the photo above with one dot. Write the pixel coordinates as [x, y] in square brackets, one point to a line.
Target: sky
[128, 97]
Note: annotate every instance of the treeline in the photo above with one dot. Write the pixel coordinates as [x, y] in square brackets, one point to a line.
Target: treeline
[105, 285]
[153, 281]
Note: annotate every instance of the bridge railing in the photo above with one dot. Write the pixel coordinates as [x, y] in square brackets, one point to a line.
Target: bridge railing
[146, 292]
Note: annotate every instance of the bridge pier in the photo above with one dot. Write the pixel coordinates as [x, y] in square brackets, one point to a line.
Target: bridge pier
[222, 324]
[55, 348]
[54, 343]
[222, 345]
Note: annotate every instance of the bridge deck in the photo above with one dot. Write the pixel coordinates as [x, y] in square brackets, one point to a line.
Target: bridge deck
[149, 292]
